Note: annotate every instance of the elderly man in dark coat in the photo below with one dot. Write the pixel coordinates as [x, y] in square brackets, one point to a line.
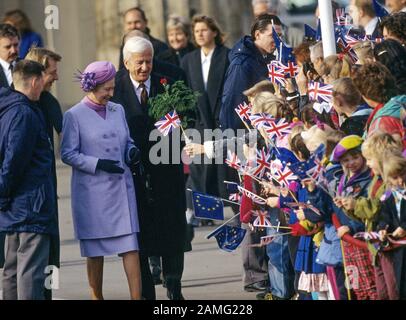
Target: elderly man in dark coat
[27, 202]
[160, 187]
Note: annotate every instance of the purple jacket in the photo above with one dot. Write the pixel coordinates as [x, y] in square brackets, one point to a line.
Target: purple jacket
[103, 204]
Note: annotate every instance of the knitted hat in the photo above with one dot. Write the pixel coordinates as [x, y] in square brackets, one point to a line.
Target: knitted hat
[346, 144]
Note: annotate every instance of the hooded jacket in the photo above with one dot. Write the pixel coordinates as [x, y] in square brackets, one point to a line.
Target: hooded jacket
[27, 201]
[388, 118]
[247, 67]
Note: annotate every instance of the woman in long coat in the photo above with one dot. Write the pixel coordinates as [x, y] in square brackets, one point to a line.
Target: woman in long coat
[96, 143]
[205, 70]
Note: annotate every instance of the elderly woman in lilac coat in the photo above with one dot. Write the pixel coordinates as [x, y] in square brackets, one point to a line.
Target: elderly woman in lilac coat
[97, 144]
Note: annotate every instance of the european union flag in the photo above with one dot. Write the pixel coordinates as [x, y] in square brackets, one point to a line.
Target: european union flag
[310, 33]
[207, 207]
[285, 53]
[286, 156]
[228, 237]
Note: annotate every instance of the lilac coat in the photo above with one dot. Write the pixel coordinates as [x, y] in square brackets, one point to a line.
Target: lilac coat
[103, 204]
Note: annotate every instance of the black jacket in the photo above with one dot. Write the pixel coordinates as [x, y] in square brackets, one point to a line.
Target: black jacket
[3, 79]
[209, 103]
[27, 201]
[247, 67]
[160, 188]
[174, 57]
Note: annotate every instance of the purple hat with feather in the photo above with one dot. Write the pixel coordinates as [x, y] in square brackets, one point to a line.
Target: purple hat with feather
[96, 73]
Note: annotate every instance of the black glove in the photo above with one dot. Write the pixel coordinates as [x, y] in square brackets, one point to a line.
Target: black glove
[134, 156]
[109, 166]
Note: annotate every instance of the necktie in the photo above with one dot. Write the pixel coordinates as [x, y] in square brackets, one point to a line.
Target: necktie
[144, 94]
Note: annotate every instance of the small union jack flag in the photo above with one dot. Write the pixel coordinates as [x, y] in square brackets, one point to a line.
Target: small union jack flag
[347, 49]
[244, 111]
[278, 128]
[168, 123]
[261, 221]
[262, 164]
[235, 197]
[302, 205]
[316, 173]
[342, 18]
[283, 177]
[276, 73]
[233, 161]
[252, 196]
[320, 92]
[291, 69]
[259, 120]
[351, 41]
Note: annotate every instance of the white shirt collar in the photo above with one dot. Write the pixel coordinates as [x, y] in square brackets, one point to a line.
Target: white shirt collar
[4, 64]
[136, 84]
[370, 27]
[7, 72]
[403, 9]
[208, 57]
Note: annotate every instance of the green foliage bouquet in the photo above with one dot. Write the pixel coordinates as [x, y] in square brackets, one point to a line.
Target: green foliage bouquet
[177, 97]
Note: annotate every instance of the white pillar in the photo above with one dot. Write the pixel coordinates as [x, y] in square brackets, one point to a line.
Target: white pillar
[327, 27]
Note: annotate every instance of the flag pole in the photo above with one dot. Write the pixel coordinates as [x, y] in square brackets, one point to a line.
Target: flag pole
[187, 140]
[232, 202]
[327, 27]
[228, 182]
[225, 223]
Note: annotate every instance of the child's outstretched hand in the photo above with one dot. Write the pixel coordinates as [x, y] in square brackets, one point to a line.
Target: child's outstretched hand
[300, 214]
[273, 202]
[348, 203]
[399, 233]
[338, 202]
[383, 234]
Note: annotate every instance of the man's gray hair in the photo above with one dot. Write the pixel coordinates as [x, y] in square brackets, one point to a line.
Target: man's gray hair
[136, 45]
[316, 51]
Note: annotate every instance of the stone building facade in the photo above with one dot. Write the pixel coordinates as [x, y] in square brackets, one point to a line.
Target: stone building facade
[92, 29]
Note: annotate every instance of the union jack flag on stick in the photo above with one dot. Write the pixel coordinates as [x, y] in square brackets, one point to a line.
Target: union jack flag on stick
[278, 128]
[244, 112]
[261, 221]
[168, 123]
[276, 73]
[320, 92]
[259, 120]
[255, 198]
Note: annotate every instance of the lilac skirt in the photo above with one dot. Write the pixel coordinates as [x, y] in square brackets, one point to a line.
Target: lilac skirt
[91, 248]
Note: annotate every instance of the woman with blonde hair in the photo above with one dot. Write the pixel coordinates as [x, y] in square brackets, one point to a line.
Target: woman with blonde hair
[179, 39]
[335, 67]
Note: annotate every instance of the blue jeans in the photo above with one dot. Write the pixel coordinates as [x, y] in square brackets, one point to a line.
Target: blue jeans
[280, 270]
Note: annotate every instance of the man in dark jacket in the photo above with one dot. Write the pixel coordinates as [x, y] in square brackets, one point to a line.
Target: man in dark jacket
[135, 19]
[248, 65]
[27, 203]
[160, 187]
[53, 118]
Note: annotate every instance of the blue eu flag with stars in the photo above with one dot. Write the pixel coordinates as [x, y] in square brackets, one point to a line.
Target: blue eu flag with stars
[228, 237]
[207, 207]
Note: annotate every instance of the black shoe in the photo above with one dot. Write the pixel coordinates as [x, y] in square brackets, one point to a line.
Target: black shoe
[207, 222]
[257, 286]
[175, 295]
